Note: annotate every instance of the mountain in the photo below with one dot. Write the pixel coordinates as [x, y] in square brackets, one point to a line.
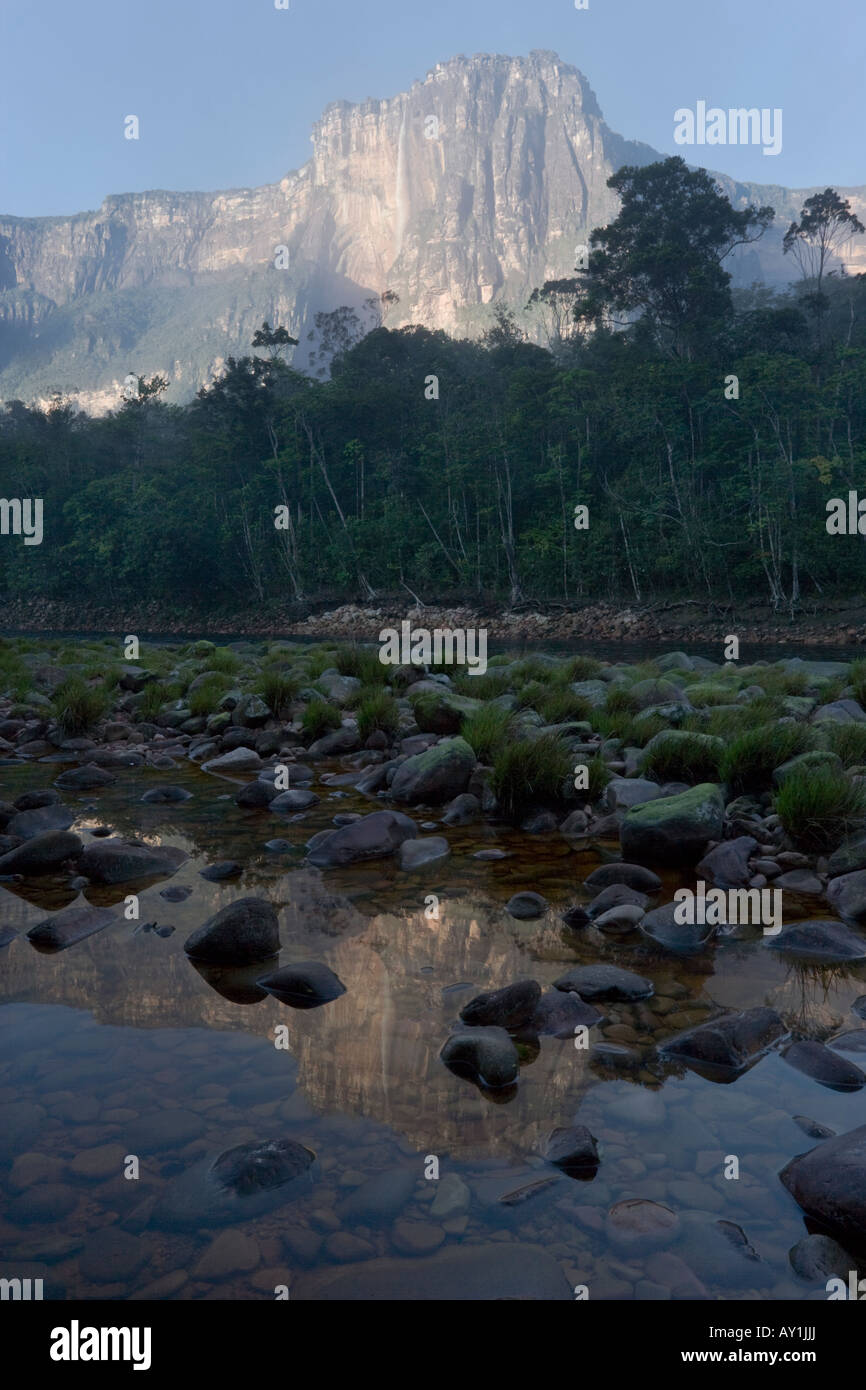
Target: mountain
[476, 184]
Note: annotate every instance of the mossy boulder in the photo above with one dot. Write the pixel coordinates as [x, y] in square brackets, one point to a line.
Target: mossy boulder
[675, 829]
[435, 776]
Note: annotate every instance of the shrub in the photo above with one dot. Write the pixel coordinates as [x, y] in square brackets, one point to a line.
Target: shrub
[224, 660]
[531, 694]
[847, 741]
[319, 659]
[485, 687]
[154, 695]
[857, 681]
[318, 718]
[559, 706]
[599, 776]
[531, 772]
[581, 668]
[819, 808]
[205, 698]
[78, 706]
[487, 731]
[749, 761]
[377, 710]
[361, 662]
[774, 680]
[277, 688]
[621, 701]
[683, 757]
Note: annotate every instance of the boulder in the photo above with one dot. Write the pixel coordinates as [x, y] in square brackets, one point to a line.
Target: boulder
[727, 866]
[815, 1060]
[416, 854]
[120, 861]
[26, 824]
[239, 1185]
[71, 924]
[435, 776]
[826, 942]
[604, 982]
[829, 1183]
[558, 1014]
[305, 984]
[573, 1149]
[847, 893]
[635, 876]
[238, 760]
[674, 830]
[486, 1055]
[245, 930]
[730, 1044]
[87, 778]
[510, 1007]
[525, 906]
[661, 926]
[372, 837]
[43, 854]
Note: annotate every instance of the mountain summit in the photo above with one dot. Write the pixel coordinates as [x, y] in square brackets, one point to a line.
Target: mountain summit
[476, 184]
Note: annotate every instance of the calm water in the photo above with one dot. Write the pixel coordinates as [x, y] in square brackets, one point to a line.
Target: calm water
[119, 1046]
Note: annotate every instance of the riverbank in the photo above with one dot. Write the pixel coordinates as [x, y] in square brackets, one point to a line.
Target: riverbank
[832, 623]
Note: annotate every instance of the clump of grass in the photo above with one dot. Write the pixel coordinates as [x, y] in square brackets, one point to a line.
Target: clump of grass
[318, 718]
[224, 660]
[377, 711]
[857, 681]
[532, 694]
[819, 808]
[728, 721]
[599, 774]
[529, 773]
[749, 761]
[277, 688]
[319, 659]
[486, 687]
[581, 668]
[78, 706]
[361, 662]
[487, 731]
[205, 698]
[683, 757]
[621, 701]
[154, 695]
[558, 706]
[847, 741]
[531, 668]
[703, 693]
[774, 680]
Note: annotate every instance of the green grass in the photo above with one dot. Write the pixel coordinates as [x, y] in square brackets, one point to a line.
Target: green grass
[361, 662]
[682, 759]
[221, 659]
[277, 688]
[819, 808]
[750, 760]
[79, 706]
[729, 721]
[486, 687]
[621, 701]
[847, 741]
[857, 681]
[599, 776]
[773, 680]
[559, 706]
[319, 659]
[205, 698]
[705, 693]
[529, 773]
[487, 731]
[318, 718]
[154, 696]
[377, 711]
[581, 668]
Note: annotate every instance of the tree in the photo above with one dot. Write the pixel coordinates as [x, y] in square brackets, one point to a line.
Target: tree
[826, 223]
[274, 339]
[661, 259]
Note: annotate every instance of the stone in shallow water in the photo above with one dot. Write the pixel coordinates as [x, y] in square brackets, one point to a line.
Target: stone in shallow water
[465, 1273]
[372, 837]
[815, 1060]
[813, 1128]
[635, 876]
[377, 1201]
[71, 924]
[111, 1256]
[224, 868]
[728, 1045]
[573, 1149]
[175, 895]
[121, 861]
[640, 1225]
[35, 822]
[829, 1182]
[604, 982]
[245, 930]
[238, 1185]
[817, 1258]
[525, 906]
[510, 1007]
[43, 854]
[683, 938]
[304, 985]
[167, 794]
[822, 941]
[486, 1055]
[853, 1041]
[415, 854]
[87, 778]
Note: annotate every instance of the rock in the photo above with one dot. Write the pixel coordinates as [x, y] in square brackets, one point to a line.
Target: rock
[452, 1197]
[250, 712]
[111, 1256]
[573, 1149]
[29, 823]
[415, 854]
[819, 1258]
[727, 866]
[121, 861]
[237, 1186]
[435, 776]
[305, 985]
[257, 795]
[818, 1062]
[417, 1237]
[87, 778]
[486, 1055]
[238, 760]
[294, 800]
[495, 1271]
[463, 810]
[44, 854]
[372, 837]
[849, 857]
[575, 824]
[231, 1252]
[617, 895]
[339, 689]
[853, 1041]
[242, 931]
[816, 757]
[623, 918]
[674, 830]
[661, 926]
[162, 1130]
[558, 1014]
[799, 881]
[169, 794]
[840, 712]
[343, 740]
[343, 1247]
[509, 1008]
[829, 1183]
[637, 1226]
[730, 1044]
[525, 906]
[32, 801]
[575, 918]
[175, 894]
[621, 793]
[719, 1252]
[539, 823]
[71, 924]
[223, 869]
[828, 942]
[97, 1164]
[813, 1128]
[604, 982]
[847, 893]
[379, 1200]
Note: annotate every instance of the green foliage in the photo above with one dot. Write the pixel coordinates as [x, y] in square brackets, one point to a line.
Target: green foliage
[487, 731]
[689, 758]
[318, 718]
[857, 681]
[278, 688]
[154, 696]
[377, 710]
[224, 660]
[361, 662]
[205, 698]
[819, 808]
[78, 706]
[581, 668]
[531, 772]
[599, 774]
[750, 760]
[561, 705]
[847, 741]
[485, 687]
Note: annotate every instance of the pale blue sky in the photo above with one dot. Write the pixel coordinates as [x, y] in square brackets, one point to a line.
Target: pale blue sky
[227, 90]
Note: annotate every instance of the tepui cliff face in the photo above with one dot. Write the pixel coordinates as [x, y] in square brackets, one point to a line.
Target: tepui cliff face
[475, 185]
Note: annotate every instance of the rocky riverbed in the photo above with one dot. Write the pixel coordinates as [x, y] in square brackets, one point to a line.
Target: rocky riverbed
[340, 980]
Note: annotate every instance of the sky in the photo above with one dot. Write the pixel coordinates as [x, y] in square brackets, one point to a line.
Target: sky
[226, 91]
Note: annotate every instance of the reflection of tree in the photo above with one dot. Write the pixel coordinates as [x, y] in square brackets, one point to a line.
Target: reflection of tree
[803, 999]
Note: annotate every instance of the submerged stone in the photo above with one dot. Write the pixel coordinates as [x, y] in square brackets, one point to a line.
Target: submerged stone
[304, 985]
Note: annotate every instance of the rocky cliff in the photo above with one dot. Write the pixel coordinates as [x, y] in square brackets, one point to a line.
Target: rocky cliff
[476, 184]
